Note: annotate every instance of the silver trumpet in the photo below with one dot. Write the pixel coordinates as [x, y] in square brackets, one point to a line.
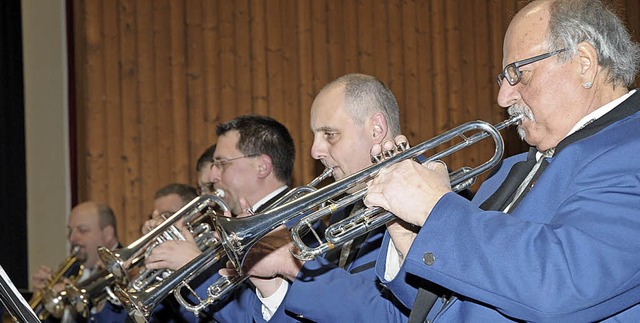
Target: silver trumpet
[203, 236]
[120, 261]
[240, 234]
[140, 303]
[369, 219]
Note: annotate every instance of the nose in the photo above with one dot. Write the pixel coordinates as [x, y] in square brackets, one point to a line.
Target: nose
[73, 237]
[508, 94]
[214, 174]
[319, 148]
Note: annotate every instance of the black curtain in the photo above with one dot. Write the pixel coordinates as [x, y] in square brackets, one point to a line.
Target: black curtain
[13, 201]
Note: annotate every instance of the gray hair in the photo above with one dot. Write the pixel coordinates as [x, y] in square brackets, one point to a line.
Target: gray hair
[574, 21]
[365, 95]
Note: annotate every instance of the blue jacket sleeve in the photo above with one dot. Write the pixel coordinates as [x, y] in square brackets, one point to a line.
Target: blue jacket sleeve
[324, 292]
[569, 252]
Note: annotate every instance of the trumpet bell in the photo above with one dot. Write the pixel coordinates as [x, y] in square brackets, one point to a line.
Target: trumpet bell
[134, 306]
[53, 302]
[78, 299]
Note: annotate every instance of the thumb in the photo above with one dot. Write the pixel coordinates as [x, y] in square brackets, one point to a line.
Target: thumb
[246, 208]
[187, 234]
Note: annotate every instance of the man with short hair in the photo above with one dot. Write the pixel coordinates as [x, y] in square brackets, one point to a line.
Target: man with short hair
[348, 117]
[253, 165]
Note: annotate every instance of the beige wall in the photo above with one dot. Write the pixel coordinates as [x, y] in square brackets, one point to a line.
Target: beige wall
[47, 149]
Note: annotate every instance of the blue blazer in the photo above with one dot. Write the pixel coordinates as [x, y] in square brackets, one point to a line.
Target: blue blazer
[324, 292]
[569, 252]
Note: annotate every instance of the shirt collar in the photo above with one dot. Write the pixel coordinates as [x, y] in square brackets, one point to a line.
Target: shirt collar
[268, 197]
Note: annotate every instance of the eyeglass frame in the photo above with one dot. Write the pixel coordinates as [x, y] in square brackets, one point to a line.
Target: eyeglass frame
[517, 64]
[222, 163]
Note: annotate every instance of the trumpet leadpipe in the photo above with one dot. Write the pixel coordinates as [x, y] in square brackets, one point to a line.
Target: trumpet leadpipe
[140, 304]
[368, 219]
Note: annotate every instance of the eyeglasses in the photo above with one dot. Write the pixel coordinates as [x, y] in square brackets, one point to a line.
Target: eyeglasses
[512, 72]
[220, 163]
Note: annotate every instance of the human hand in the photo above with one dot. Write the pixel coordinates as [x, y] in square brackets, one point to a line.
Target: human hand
[150, 224]
[41, 277]
[407, 189]
[269, 262]
[270, 257]
[173, 254]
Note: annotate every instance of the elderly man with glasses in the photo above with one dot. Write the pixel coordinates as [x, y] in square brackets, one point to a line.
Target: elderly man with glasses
[553, 235]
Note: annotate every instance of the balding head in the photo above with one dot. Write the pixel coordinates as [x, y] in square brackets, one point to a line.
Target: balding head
[91, 225]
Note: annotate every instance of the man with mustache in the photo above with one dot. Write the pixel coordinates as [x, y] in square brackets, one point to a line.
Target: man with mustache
[553, 235]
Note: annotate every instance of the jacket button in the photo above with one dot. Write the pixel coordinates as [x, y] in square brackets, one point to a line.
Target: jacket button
[429, 258]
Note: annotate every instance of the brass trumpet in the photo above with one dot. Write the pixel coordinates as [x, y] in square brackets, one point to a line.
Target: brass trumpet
[71, 269]
[240, 234]
[84, 295]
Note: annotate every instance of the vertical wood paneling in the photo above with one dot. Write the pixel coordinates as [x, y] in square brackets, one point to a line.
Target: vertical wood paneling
[154, 77]
[380, 41]
[327, 38]
[438, 57]
[259, 58]
[410, 60]
[212, 108]
[134, 200]
[291, 99]
[350, 44]
[195, 120]
[92, 136]
[227, 67]
[111, 77]
[179, 108]
[328, 29]
[305, 89]
[163, 155]
[148, 121]
[242, 55]
[275, 71]
[365, 38]
[424, 74]
[395, 45]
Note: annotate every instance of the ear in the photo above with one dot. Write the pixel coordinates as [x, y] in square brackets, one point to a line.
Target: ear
[108, 233]
[588, 59]
[265, 166]
[379, 128]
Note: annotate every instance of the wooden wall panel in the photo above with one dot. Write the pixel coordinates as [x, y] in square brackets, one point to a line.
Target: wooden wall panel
[154, 78]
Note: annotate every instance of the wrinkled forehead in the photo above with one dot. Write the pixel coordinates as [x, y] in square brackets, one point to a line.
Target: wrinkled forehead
[527, 33]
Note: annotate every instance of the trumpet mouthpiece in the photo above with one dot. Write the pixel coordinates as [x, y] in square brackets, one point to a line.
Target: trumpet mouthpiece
[219, 192]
